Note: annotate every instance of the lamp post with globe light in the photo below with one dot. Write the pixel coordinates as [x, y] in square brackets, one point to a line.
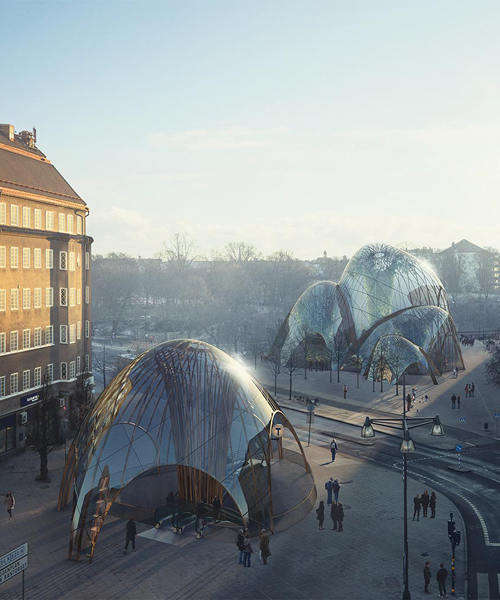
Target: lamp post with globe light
[404, 424]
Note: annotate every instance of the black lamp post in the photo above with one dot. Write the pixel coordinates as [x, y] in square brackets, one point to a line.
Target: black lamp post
[407, 445]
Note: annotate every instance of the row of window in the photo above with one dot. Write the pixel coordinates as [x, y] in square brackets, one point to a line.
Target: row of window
[66, 222]
[67, 260]
[68, 371]
[72, 298]
[68, 334]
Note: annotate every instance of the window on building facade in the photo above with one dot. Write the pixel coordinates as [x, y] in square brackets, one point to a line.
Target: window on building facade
[72, 300]
[78, 329]
[2, 387]
[26, 217]
[87, 260]
[14, 215]
[14, 384]
[26, 380]
[3, 213]
[63, 261]
[72, 261]
[26, 258]
[87, 294]
[64, 371]
[49, 297]
[3, 302]
[49, 258]
[78, 365]
[79, 225]
[26, 298]
[49, 373]
[14, 346]
[63, 337]
[26, 339]
[37, 376]
[3, 343]
[14, 257]
[37, 258]
[3, 257]
[49, 334]
[78, 296]
[37, 298]
[87, 364]
[14, 299]
[69, 222]
[72, 369]
[37, 337]
[63, 296]
[49, 220]
[62, 223]
[72, 334]
[87, 329]
[37, 218]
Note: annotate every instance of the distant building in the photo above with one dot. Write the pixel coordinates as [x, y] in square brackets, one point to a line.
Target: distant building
[45, 289]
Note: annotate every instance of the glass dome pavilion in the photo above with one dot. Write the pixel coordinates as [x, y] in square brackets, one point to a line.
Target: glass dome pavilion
[386, 302]
[187, 418]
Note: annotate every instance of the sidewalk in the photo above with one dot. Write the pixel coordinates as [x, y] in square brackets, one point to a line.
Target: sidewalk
[363, 562]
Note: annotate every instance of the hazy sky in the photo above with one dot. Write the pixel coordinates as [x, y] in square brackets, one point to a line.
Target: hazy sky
[303, 125]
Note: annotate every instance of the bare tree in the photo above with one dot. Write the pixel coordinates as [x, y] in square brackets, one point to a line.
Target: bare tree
[82, 400]
[492, 368]
[240, 252]
[338, 349]
[181, 251]
[356, 360]
[102, 361]
[291, 365]
[45, 435]
[394, 352]
[485, 270]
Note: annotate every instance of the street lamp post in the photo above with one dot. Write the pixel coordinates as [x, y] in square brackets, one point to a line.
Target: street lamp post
[407, 445]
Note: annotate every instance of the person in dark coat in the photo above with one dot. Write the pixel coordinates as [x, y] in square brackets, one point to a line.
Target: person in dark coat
[333, 515]
[320, 511]
[458, 402]
[466, 390]
[441, 576]
[336, 489]
[264, 546]
[417, 503]
[329, 489]
[217, 506]
[333, 449]
[471, 389]
[432, 503]
[340, 516]
[240, 544]
[131, 534]
[453, 400]
[408, 402]
[425, 500]
[427, 577]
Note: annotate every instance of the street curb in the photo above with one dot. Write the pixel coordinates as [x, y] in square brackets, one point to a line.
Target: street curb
[457, 470]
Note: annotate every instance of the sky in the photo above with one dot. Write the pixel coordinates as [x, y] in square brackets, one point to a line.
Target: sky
[304, 125]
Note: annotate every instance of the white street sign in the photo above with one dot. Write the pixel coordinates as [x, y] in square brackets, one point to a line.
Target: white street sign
[13, 555]
[13, 569]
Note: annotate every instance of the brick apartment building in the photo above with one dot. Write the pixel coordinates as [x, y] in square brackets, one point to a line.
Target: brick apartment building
[45, 291]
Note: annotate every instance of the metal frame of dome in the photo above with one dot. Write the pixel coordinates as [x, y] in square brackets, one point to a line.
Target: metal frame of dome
[185, 407]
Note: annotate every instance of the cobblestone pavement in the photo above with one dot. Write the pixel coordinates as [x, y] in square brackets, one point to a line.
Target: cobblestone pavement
[363, 562]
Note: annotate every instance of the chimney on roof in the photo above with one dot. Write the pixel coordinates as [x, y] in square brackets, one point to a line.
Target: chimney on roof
[8, 131]
[28, 138]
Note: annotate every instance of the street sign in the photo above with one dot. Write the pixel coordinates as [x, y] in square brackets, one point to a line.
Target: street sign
[497, 415]
[278, 430]
[310, 407]
[462, 419]
[458, 447]
[13, 563]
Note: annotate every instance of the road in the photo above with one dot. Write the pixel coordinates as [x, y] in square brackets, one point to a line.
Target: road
[474, 493]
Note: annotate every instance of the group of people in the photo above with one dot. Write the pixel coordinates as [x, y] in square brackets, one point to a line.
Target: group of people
[336, 514]
[455, 401]
[441, 576]
[422, 502]
[244, 544]
[469, 390]
[465, 340]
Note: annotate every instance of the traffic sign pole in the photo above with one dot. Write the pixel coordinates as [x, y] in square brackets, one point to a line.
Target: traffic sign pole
[462, 421]
[497, 416]
[459, 449]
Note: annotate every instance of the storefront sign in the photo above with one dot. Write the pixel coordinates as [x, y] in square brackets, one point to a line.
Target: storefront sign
[29, 400]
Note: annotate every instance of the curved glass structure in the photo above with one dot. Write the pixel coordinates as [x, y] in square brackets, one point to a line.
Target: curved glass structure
[382, 292]
[185, 418]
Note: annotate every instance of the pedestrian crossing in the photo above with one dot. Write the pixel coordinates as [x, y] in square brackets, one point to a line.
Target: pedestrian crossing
[488, 586]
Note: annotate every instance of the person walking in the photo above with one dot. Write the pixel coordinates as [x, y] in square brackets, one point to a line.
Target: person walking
[131, 534]
[264, 545]
[334, 448]
[329, 489]
[417, 503]
[240, 543]
[441, 576]
[216, 506]
[333, 515]
[340, 516]
[11, 503]
[425, 500]
[336, 490]
[345, 391]
[471, 389]
[320, 512]
[247, 551]
[458, 402]
[408, 402]
[453, 400]
[427, 576]
[466, 390]
[433, 505]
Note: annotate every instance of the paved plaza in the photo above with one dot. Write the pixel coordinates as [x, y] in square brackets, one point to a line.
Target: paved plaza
[365, 561]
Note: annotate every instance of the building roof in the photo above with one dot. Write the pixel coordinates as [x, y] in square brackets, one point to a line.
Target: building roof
[27, 170]
[463, 246]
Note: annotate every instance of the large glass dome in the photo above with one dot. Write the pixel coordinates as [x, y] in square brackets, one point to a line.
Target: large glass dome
[186, 418]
